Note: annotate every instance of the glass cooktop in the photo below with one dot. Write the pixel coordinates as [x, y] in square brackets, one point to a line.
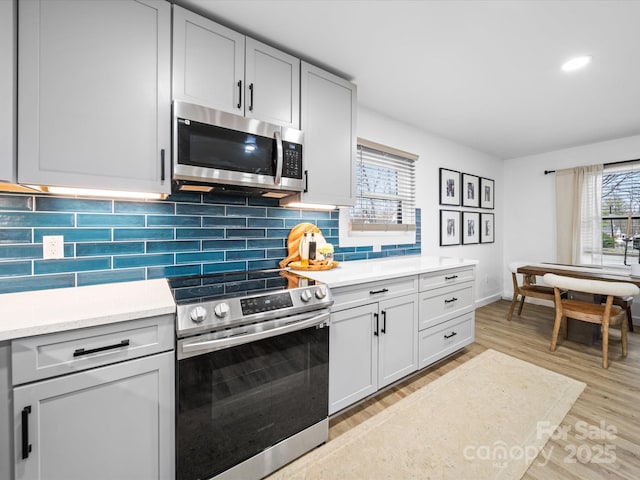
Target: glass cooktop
[202, 288]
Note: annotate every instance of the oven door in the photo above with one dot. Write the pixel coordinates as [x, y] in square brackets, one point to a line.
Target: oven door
[236, 398]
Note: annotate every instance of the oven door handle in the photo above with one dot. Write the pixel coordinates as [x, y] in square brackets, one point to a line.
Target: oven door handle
[195, 347]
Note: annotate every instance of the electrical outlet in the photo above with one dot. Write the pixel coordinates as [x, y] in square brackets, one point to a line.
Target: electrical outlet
[52, 246]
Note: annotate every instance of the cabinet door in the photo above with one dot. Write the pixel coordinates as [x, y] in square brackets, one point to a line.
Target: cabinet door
[208, 63]
[7, 91]
[272, 85]
[328, 119]
[398, 344]
[94, 96]
[353, 356]
[106, 423]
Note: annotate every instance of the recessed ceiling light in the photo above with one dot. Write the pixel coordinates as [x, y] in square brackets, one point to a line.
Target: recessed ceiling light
[576, 63]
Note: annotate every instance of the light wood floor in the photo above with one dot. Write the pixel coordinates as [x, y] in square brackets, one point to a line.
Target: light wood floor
[611, 399]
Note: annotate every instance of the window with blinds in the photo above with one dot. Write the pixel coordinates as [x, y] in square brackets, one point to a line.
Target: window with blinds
[385, 189]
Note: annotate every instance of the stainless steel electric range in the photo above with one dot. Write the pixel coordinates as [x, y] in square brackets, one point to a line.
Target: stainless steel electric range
[252, 369]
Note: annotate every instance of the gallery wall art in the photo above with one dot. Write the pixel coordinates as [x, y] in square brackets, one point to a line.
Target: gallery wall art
[466, 227]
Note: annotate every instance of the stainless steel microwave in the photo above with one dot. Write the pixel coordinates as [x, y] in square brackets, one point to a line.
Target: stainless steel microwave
[211, 147]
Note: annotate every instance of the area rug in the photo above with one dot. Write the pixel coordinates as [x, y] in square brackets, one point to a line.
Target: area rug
[487, 419]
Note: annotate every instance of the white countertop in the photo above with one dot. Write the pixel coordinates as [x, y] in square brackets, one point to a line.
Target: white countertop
[360, 271]
[25, 314]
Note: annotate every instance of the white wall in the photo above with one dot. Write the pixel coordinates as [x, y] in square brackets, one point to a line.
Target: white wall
[436, 152]
[530, 231]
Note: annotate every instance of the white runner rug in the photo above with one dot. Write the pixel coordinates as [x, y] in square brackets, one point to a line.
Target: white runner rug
[487, 419]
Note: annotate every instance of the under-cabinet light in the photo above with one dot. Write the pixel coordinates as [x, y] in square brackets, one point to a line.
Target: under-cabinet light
[310, 206]
[90, 192]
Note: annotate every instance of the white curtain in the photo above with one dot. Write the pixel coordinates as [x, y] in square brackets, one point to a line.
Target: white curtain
[579, 215]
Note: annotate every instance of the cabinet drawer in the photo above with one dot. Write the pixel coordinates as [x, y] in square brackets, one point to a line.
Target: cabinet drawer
[439, 341]
[45, 356]
[445, 277]
[441, 304]
[355, 295]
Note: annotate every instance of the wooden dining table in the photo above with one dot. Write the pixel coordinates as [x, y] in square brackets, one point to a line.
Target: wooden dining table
[575, 271]
[577, 331]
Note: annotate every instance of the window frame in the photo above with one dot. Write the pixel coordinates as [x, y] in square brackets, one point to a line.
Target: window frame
[378, 234]
[623, 217]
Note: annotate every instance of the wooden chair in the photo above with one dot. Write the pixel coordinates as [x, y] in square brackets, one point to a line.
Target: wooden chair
[625, 303]
[526, 290]
[606, 314]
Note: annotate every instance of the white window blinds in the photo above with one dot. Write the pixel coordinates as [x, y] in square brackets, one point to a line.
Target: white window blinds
[385, 189]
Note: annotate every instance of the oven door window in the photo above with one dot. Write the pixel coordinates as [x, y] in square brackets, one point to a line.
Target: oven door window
[209, 146]
[234, 403]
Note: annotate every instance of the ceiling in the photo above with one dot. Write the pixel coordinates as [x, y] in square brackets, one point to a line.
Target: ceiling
[485, 74]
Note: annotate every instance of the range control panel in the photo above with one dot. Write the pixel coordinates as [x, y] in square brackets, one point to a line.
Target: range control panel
[265, 303]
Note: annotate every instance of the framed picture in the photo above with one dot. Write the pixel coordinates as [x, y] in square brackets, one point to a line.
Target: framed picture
[470, 190]
[449, 187]
[470, 228]
[487, 228]
[449, 227]
[487, 193]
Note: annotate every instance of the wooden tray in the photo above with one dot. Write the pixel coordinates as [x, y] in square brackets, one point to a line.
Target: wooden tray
[298, 266]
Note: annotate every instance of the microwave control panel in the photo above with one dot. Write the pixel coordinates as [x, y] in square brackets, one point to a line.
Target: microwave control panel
[292, 160]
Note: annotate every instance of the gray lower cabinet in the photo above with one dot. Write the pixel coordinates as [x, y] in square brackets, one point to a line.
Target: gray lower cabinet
[94, 94]
[370, 347]
[107, 412]
[112, 422]
[6, 412]
[416, 321]
[447, 316]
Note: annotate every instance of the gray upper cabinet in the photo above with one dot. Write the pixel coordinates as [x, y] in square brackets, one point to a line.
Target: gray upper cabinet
[94, 94]
[219, 68]
[328, 119]
[273, 85]
[7, 91]
[208, 62]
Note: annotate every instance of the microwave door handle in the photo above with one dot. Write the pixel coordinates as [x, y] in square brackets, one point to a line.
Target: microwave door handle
[279, 156]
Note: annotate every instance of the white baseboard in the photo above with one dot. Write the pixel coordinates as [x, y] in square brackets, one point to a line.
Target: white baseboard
[487, 300]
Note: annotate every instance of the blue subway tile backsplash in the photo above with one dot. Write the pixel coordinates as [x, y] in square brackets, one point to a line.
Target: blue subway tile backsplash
[108, 241]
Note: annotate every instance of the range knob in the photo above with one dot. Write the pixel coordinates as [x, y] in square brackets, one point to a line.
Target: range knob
[198, 314]
[305, 296]
[321, 292]
[221, 310]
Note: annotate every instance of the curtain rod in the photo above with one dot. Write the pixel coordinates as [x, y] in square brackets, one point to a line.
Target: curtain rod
[547, 172]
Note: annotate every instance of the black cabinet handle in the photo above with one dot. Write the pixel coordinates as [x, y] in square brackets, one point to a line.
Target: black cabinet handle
[239, 93]
[375, 332]
[162, 164]
[81, 351]
[251, 100]
[26, 446]
[384, 321]
[375, 292]
[454, 299]
[306, 181]
[453, 334]
[451, 277]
